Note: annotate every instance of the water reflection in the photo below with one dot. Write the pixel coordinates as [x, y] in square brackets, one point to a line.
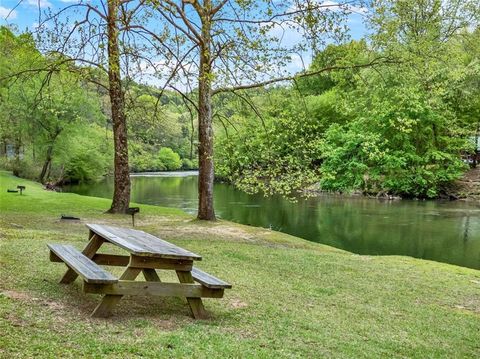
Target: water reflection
[441, 231]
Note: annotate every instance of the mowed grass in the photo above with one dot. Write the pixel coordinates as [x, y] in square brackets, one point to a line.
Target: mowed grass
[290, 297]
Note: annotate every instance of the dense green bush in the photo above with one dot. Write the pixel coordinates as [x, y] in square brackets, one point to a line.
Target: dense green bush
[168, 159]
[25, 167]
[84, 154]
[81, 153]
[379, 139]
[188, 164]
[400, 128]
[399, 142]
[142, 160]
[283, 154]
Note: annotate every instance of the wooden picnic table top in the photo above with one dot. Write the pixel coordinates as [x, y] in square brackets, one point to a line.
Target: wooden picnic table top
[141, 243]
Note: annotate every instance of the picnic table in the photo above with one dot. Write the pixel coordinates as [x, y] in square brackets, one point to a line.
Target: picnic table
[147, 253]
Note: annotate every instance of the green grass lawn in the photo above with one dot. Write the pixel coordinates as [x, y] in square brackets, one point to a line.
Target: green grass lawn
[290, 297]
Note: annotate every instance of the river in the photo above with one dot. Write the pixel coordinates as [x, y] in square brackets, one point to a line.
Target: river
[436, 230]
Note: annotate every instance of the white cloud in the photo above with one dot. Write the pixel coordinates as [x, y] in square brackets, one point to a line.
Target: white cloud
[338, 6]
[39, 3]
[37, 26]
[298, 63]
[288, 34]
[4, 12]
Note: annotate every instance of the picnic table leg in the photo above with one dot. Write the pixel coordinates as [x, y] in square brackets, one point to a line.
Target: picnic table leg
[89, 251]
[150, 275]
[196, 306]
[104, 308]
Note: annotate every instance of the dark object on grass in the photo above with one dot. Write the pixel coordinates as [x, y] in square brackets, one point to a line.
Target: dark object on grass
[21, 188]
[52, 187]
[71, 218]
[132, 211]
[12, 191]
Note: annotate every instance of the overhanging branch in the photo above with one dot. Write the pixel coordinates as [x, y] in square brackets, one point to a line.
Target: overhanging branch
[377, 61]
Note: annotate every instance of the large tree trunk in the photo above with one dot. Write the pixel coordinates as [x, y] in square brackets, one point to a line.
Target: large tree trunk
[205, 130]
[46, 166]
[17, 149]
[192, 136]
[3, 148]
[121, 191]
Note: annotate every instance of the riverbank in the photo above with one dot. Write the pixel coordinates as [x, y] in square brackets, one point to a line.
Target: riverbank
[290, 297]
[466, 188]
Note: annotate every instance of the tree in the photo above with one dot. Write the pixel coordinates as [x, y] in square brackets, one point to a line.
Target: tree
[38, 108]
[102, 25]
[121, 191]
[400, 128]
[237, 48]
[17, 53]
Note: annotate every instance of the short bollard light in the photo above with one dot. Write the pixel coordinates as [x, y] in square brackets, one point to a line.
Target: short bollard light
[132, 211]
[21, 188]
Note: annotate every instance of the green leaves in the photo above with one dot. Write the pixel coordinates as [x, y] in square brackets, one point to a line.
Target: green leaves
[143, 160]
[398, 145]
[397, 129]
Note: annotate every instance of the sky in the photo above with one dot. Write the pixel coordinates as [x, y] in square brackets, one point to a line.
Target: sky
[25, 14]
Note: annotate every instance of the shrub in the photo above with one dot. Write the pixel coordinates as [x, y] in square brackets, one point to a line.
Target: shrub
[143, 162]
[188, 164]
[169, 160]
[82, 154]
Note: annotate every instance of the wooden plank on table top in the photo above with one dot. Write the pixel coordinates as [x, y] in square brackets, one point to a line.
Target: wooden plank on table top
[83, 266]
[141, 243]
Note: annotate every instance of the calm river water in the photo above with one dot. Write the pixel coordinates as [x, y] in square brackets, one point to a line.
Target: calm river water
[441, 231]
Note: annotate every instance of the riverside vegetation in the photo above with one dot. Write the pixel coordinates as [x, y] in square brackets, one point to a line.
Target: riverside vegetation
[325, 302]
[398, 118]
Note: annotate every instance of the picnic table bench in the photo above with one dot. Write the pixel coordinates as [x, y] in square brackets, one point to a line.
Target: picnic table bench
[147, 253]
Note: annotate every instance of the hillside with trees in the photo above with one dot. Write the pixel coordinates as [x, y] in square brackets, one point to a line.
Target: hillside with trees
[394, 113]
[56, 127]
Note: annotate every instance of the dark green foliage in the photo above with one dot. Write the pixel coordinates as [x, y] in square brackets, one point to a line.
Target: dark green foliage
[164, 159]
[401, 128]
[283, 153]
[168, 159]
[57, 128]
[85, 153]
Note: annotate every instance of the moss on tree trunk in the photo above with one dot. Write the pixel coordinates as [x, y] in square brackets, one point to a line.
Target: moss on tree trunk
[121, 193]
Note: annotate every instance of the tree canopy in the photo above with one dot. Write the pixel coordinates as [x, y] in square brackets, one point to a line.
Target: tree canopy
[206, 84]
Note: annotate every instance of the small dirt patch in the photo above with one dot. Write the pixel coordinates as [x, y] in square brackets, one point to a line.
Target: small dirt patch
[16, 295]
[237, 304]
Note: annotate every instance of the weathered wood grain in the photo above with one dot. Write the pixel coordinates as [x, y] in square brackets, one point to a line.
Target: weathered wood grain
[160, 289]
[81, 265]
[91, 248]
[150, 275]
[109, 301]
[141, 243]
[208, 280]
[111, 260]
[160, 263]
[196, 305]
[147, 253]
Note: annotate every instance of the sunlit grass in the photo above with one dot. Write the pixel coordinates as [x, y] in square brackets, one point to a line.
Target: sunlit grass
[290, 297]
